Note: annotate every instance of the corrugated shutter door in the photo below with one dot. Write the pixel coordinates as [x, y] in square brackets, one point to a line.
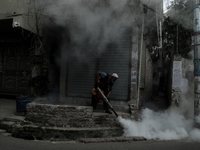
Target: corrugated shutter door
[116, 59]
[80, 79]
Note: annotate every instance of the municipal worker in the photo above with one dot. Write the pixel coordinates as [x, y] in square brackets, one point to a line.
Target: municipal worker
[105, 82]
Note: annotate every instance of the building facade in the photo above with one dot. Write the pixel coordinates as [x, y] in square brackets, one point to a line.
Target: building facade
[113, 42]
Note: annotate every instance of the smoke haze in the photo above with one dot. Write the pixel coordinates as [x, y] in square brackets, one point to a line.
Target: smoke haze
[175, 123]
[167, 125]
[93, 23]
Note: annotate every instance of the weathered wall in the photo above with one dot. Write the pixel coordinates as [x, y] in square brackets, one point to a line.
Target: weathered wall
[134, 68]
[146, 93]
[188, 69]
[13, 7]
[23, 14]
[149, 75]
[186, 90]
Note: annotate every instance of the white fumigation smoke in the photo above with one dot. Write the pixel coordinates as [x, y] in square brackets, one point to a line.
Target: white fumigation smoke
[176, 123]
[92, 24]
[167, 125]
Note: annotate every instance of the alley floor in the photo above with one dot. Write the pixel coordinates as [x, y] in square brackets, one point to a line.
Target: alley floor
[157, 103]
[8, 109]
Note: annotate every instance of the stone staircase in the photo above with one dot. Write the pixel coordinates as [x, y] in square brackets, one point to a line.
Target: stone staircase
[7, 125]
[58, 122]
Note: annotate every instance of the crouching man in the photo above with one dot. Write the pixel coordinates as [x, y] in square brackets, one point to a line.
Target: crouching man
[105, 82]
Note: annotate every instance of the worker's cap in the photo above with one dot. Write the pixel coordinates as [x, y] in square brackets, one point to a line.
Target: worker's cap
[115, 75]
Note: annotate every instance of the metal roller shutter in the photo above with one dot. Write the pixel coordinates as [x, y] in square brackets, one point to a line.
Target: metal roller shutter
[80, 76]
[116, 59]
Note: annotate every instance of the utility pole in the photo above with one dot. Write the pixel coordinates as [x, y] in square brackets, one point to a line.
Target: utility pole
[168, 3]
[140, 61]
[176, 70]
[195, 43]
[176, 28]
[177, 39]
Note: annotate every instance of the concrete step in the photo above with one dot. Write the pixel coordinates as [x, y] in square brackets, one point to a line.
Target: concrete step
[2, 131]
[69, 116]
[102, 113]
[6, 125]
[105, 126]
[98, 119]
[33, 132]
[112, 139]
[107, 120]
[66, 122]
[13, 119]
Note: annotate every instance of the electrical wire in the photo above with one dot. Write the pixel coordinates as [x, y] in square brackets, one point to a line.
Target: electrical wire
[133, 14]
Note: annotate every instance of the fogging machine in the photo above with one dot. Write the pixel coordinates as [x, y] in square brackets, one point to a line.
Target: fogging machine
[106, 100]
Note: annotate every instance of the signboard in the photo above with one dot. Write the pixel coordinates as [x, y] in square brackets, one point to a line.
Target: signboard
[176, 83]
[177, 74]
[133, 77]
[196, 38]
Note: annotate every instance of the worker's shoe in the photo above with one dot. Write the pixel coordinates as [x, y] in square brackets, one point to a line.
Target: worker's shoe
[108, 111]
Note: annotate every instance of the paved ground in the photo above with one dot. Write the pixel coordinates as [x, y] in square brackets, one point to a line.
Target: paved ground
[158, 102]
[8, 109]
[10, 143]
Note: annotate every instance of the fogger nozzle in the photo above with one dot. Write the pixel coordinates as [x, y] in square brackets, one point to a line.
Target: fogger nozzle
[106, 100]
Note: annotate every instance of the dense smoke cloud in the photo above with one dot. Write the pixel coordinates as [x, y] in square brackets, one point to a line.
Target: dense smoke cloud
[168, 125]
[175, 123]
[92, 24]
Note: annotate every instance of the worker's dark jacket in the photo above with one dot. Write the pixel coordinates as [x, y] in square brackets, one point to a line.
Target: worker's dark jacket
[104, 85]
